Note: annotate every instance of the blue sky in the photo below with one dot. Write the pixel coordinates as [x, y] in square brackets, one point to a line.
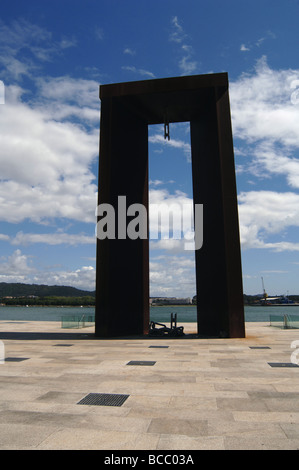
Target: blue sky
[53, 57]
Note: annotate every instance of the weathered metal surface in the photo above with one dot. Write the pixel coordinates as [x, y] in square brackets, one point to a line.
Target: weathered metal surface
[122, 286]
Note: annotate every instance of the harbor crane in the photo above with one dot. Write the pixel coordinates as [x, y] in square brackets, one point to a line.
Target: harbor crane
[264, 292]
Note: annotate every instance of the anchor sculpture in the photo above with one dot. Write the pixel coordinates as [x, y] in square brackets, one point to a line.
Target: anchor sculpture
[174, 330]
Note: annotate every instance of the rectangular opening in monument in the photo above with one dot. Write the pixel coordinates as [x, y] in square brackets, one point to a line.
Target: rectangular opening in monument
[171, 226]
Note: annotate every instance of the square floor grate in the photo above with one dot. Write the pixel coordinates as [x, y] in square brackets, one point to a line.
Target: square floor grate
[141, 363]
[158, 346]
[282, 364]
[16, 359]
[103, 399]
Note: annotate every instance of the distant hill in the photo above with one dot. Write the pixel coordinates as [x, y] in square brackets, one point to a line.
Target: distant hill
[19, 290]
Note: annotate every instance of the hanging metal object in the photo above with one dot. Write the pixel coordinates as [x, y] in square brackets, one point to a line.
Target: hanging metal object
[166, 128]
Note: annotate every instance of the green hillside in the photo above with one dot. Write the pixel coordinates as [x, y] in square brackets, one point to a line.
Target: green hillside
[34, 293]
[18, 290]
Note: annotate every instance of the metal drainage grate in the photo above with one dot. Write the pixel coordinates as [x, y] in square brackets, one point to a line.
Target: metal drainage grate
[282, 364]
[259, 347]
[158, 346]
[16, 359]
[103, 399]
[62, 345]
[141, 363]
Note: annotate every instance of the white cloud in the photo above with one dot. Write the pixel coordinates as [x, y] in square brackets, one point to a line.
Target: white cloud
[129, 51]
[81, 278]
[172, 275]
[139, 71]
[177, 33]
[160, 196]
[186, 63]
[45, 163]
[176, 143]
[244, 48]
[160, 183]
[155, 182]
[22, 34]
[15, 268]
[265, 118]
[272, 160]
[66, 98]
[258, 42]
[15, 68]
[57, 238]
[4, 237]
[24, 45]
[18, 267]
[264, 213]
[262, 108]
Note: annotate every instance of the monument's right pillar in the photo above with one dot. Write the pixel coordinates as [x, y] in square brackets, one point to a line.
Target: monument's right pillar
[220, 310]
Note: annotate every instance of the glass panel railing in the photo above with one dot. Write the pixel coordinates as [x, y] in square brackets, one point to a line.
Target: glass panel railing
[284, 321]
[77, 321]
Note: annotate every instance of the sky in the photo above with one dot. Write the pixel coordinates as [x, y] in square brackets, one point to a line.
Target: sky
[54, 55]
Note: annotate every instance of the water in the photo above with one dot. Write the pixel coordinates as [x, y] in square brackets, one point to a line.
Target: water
[185, 314]
[41, 313]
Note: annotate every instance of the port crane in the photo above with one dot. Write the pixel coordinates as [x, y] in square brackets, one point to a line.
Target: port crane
[264, 292]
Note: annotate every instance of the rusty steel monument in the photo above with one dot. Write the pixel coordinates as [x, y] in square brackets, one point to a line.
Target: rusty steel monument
[122, 282]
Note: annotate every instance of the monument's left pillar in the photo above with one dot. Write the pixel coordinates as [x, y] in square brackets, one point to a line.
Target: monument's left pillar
[122, 283]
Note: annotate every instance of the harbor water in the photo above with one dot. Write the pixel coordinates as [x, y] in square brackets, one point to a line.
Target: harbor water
[185, 313]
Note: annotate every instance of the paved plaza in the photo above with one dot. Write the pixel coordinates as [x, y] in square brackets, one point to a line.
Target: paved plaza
[186, 393]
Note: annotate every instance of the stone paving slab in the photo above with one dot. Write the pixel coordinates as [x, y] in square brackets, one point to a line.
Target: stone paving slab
[198, 394]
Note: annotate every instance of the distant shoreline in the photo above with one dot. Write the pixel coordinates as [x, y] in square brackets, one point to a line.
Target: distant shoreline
[174, 305]
[47, 306]
[151, 306]
[273, 305]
